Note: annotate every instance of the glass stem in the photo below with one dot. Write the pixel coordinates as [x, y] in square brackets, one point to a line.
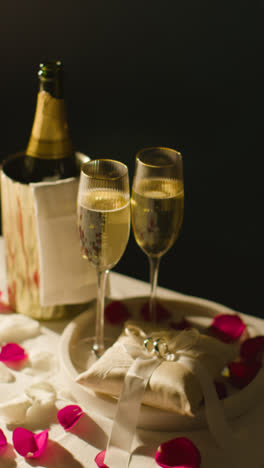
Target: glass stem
[99, 326]
[154, 271]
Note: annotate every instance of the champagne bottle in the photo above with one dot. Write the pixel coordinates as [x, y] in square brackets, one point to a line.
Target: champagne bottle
[49, 154]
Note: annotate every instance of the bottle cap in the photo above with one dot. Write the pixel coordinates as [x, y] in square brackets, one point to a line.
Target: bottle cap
[51, 77]
[48, 70]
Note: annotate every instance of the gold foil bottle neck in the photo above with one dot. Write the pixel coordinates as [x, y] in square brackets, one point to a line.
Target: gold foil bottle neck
[50, 137]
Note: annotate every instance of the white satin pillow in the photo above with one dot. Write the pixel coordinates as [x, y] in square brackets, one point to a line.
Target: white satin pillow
[172, 386]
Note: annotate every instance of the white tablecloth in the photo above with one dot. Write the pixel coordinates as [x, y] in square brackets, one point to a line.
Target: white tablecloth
[78, 447]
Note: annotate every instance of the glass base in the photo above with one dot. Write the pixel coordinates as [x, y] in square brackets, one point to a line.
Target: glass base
[86, 352]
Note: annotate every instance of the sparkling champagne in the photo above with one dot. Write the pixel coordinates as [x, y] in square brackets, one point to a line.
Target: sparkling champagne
[104, 226]
[157, 213]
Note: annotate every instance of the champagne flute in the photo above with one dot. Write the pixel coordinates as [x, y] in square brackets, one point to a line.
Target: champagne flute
[157, 204]
[103, 209]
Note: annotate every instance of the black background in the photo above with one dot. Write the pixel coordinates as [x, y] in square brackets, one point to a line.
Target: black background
[187, 75]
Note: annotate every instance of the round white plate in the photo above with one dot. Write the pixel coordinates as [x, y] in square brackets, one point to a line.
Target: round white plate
[199, 312]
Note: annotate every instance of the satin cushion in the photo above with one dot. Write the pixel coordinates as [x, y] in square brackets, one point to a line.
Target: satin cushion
[172, 386]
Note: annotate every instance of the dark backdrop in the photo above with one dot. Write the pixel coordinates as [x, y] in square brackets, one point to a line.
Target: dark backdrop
[159, 72]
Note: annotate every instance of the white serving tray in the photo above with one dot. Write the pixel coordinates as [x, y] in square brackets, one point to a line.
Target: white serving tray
[198, 311]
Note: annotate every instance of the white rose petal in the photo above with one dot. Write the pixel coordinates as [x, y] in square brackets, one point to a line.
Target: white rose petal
[43, 397]
[15, 410]
[44, 362]
[42, 393]
[6, 375]
[18, 327]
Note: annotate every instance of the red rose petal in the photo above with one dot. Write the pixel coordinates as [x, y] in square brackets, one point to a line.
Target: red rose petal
[69, 416]
[253, 348]
[28, 444]
[3, 440]
[11, 352]
[220, 390]
[227, 327]
[179, 452]
[161, 312]
[182, 325]
[116, 312]
[242, 372]
[99, 459]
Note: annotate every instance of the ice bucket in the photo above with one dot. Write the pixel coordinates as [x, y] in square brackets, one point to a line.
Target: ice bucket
[20, 231]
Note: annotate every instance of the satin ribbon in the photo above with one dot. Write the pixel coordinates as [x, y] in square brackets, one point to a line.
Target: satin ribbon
[125, 423]
[234, 447]
[218, 426]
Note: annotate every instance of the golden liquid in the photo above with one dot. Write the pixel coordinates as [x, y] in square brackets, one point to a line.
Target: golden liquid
[157, 213]
[104, 226]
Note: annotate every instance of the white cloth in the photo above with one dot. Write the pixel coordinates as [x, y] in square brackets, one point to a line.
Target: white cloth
[78, 447]
[65, 277]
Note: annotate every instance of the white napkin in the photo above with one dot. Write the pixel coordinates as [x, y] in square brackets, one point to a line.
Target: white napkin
[65, 277]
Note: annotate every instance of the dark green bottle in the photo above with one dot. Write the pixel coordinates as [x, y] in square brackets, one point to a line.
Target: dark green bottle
[49, 155]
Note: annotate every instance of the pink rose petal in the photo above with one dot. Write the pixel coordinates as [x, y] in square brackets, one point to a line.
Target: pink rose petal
[253, 348]
[179, 452]
[161, 312]
[227, 327]
[3, 440]
[69, 416]
[243, 372]
[12, 352]
[99, 459]
[28, 444]
[116, 312]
